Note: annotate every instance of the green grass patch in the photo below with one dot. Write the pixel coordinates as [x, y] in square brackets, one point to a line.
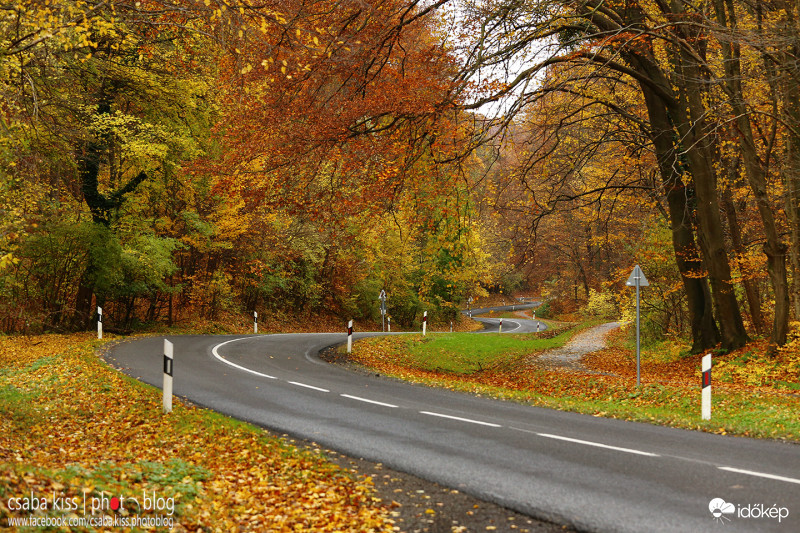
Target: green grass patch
[492, 365]
[466, 353]
[16, 406]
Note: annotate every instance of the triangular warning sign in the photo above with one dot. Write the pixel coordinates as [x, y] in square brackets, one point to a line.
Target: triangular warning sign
[637, 278]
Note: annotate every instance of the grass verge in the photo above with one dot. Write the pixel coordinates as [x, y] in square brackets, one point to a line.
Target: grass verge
[73, 431]
[752, 394]
[456, 353]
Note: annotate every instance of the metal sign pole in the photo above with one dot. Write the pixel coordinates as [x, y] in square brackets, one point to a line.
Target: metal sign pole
[638, 360]
[637, 279]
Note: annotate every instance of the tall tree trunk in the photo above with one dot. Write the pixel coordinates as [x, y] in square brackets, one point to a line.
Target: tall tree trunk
[705, 334]
[696, 137]
[774, 248]
[101, 206]
[88, 173]
[83, 300]
[750, 288]
[688, 113]
[791, 181]
[790, 92]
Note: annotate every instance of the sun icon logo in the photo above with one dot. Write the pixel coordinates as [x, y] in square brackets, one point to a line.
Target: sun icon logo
[719, 508]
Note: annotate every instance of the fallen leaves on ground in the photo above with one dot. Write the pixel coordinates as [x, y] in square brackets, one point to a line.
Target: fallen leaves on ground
[74, 428]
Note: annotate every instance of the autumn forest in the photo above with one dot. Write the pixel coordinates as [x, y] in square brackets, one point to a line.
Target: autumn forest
[170, 159]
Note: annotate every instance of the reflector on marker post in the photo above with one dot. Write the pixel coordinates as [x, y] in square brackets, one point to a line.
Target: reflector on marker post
[424, 323]
[350, 336]
[167, 387]
[99, 322]
[706, 405]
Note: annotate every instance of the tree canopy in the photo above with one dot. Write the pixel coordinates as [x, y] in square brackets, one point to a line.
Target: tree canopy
[180, 158]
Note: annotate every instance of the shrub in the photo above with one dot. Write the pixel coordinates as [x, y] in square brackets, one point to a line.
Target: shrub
[600, 305]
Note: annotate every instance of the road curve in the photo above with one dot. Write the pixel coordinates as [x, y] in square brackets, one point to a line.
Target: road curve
[510, 325]
[592, 473]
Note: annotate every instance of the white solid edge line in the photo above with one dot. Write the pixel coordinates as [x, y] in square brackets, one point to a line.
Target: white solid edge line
[490, 424]
[308, 386]
[598, 445]
[360, 399]
[240, 367]
[760, 474]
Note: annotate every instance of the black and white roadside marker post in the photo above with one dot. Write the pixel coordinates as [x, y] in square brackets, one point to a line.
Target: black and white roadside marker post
[424, 323]
[500, 329]
[637, 280]
[469, 306]
[350, 337]
[389, 324]
[99, 322]
[382, 298]
[706, 400]
[167, 386]
[255, 321]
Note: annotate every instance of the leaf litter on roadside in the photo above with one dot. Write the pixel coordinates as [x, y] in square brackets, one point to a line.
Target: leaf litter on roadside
[72, 427]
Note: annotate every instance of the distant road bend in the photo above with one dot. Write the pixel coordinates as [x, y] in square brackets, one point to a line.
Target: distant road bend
[592, 473]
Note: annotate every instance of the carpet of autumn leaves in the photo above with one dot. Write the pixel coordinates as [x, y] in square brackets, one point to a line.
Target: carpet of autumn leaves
[753, 394]
[746, 369]
[72, 427]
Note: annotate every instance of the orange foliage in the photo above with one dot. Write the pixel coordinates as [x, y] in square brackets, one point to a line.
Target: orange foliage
[90, 430]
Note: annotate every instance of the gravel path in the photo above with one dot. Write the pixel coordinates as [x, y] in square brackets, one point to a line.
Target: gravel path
[569, 355]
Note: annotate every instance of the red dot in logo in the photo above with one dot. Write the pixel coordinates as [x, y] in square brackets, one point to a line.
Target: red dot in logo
[114, 503]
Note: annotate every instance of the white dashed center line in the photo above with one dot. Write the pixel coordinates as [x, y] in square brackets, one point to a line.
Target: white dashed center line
[360, 399]
[471, 421]
[308, 386]
[760, 474]
[217, 355]
[597, 445]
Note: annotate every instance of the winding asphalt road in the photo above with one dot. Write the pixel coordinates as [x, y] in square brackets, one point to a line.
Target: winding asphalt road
[510, 325]
[592, 473]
